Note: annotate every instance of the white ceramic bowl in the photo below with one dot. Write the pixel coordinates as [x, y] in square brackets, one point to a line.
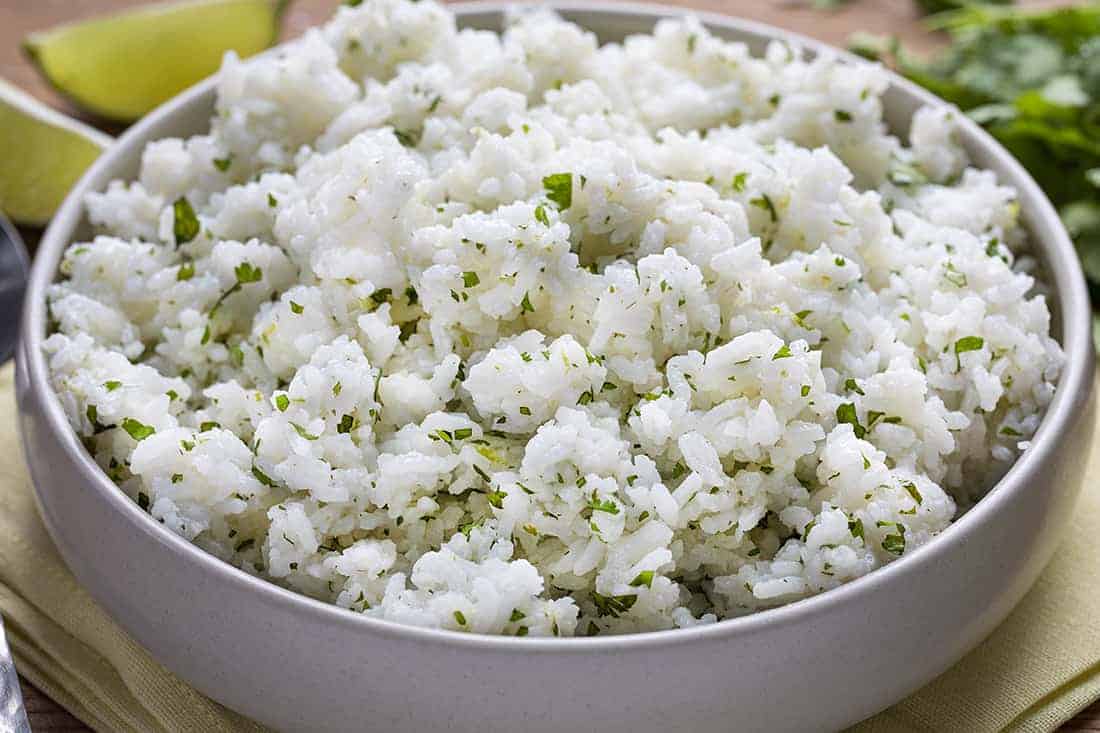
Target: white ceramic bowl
[820, 663]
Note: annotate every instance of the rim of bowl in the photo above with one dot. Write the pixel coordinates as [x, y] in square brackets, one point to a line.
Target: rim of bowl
[1068, 289]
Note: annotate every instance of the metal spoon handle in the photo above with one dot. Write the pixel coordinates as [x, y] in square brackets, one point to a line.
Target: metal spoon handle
[13, 281]
[13, 717]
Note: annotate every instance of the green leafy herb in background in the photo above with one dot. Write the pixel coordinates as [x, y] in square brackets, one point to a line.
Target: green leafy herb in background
[1032, 78]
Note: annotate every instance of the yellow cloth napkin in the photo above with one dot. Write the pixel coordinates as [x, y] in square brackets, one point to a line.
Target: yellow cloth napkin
[1037, 670]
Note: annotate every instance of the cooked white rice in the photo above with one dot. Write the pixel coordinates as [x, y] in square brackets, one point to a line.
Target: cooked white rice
[516, 334]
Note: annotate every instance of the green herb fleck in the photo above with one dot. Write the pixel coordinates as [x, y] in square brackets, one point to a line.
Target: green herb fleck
[185, 226]
[846, 413]
[894, 543]
[965, 344]
[137, 430]
[764, 201]
[303, 432]
[246, 273]
[559, 189]
[613, 606]
[540, 215]
[603, 505]
[262, 477]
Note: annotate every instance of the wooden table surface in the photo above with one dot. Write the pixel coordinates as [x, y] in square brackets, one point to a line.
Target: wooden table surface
[899, 17]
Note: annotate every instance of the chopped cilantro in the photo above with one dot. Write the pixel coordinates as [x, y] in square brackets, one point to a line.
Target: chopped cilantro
[185, 224]
[112, 385]
[540, 215]
[613, 606]
[408, 138]
[262, 477]
[644, 578]
[965, 344]
[894, 543]
[137, 430]
[764, 201]
[470, 279]
[303, 432]
[559, 189]
[186, 271]
[846, 413]
[605, 505]
[952, 275]
[246, 273]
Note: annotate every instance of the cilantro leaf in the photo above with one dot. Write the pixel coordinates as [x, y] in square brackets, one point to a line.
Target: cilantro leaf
[185, 224]
[559, 189]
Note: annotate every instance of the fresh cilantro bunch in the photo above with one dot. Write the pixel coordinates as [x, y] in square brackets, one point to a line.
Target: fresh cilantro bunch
[1032, 79]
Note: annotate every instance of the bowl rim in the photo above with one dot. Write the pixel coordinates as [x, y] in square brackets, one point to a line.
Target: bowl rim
[1074, 385]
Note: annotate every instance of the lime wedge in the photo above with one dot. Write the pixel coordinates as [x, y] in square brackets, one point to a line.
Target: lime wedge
[121, 66]
[44, 153]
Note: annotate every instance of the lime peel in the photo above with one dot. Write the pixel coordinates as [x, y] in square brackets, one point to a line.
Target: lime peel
[123, 65]
[46, 153]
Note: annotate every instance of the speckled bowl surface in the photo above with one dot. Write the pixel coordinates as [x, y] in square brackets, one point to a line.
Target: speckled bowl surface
[821, 663]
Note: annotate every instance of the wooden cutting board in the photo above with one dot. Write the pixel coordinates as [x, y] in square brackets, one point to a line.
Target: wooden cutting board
[898, 17]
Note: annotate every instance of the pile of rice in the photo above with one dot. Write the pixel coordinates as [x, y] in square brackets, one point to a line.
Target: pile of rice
[516, 334]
